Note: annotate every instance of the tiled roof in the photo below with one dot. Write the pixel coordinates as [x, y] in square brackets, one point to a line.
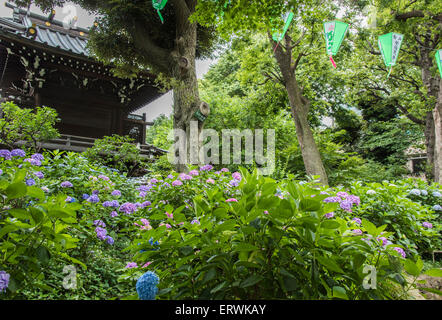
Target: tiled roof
[69, 40]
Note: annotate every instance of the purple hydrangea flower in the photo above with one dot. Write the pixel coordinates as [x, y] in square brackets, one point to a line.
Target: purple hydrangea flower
[224, 170]
[144, 188]
[37, 156]
[101, 233]
[113, 214]
[153, 181]
[30, 182]
[210, 181]
[184, 176]
[4, 281]
[357, 232]
[329, 215]
[1, 172]
[93, 199]
[66, 184]
[113, 204]
[131, 265]
[207, 167]
[6, 154]
[236, 176]
[195, 221]
[332, 199]
[354, 199]
[18, 153]
[170, 176]
[96, 192]
[103, 177]
[427, 225]
[234, 183]
[146, 204]
[357, 220]
[110, 240]
[342, 194]
[142, 194]
[85, 196]
[346, 205]
[33, 162]
[401, 251]
[194, 173]
[128, 208]
[177, 183]
[99, 223]
[116, 193]
[39, 174]
[68, 199]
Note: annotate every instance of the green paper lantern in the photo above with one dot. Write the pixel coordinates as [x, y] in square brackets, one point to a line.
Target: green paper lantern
[390, 45]
[334, 32]
[159, 5]
[288, 20]
[439, 61]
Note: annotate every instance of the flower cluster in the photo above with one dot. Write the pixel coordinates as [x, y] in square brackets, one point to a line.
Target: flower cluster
[112, 204]
[4, 281]
[66, 184]
[346, 201]
[147, 286]
[102, 233]
[128, 208]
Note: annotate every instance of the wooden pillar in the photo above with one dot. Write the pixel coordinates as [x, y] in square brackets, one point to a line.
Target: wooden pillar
[37, 99]
[143, 132]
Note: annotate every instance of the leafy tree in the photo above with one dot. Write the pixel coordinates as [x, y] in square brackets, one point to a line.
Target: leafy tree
[131, 37]
[26, 125]
[301, 43]
[414, 87]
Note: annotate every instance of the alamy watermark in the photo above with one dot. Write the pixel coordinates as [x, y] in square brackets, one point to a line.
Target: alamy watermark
[70, 280]
[203, 147]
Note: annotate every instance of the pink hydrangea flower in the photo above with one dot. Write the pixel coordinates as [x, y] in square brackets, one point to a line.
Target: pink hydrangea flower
[210, 181]
[231, 200]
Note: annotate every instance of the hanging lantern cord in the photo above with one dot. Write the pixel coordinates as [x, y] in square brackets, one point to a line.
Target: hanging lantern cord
[333, 62]
[389, 72]
[161, 17]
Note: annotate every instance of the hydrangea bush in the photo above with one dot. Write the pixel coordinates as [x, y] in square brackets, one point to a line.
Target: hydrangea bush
[203, 234]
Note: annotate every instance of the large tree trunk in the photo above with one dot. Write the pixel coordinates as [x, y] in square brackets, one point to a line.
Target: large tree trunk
[300, 107]
[430, 143]
[185, 85]
[437, 116]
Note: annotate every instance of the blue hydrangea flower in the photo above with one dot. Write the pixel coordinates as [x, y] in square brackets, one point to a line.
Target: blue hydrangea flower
[1, 172]
[437, 194]
[30, 182]
[437, 207]
[424, 192]
[85, 196]
[415, 192]
[18, 153]
[93, 198]
[110, 240]
[147, 286]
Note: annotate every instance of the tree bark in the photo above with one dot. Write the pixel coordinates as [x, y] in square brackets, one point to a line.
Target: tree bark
[437, 116]
[300, 107]
[185, 87]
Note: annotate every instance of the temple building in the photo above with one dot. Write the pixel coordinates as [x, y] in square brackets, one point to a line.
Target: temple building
[42, 63]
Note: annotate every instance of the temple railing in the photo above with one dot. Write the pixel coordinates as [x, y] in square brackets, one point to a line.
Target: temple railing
[80, 144]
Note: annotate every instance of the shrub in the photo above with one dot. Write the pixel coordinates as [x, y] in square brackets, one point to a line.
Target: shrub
[116, 152]
[263, 240]
[27, 125]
